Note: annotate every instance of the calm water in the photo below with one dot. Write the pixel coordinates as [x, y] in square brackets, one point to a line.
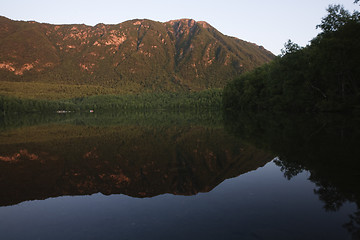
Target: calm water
[179, 175]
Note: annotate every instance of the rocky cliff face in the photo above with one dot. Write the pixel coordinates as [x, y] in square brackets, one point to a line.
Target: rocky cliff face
[179, 54]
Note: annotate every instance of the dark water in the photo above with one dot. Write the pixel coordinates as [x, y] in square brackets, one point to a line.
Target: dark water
[179, 175]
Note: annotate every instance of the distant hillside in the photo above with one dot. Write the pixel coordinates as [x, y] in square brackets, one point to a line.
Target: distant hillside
[132, 56]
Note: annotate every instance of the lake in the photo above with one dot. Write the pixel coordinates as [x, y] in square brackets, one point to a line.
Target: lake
[179, 175]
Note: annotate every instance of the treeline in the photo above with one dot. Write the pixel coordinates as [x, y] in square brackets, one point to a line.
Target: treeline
[208, 99]
[323, 76]
[144, 117]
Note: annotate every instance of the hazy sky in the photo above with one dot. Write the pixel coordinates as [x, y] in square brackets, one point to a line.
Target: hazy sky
[264, 22]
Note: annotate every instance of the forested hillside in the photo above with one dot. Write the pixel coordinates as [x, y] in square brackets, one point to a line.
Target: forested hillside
[323, 76]
[130, 57]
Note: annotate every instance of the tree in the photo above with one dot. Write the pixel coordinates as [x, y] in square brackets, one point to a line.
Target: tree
[323, 76]
[290, 47]
[336, 18]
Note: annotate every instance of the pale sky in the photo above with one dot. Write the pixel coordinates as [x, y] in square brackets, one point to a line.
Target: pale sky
[264, 22]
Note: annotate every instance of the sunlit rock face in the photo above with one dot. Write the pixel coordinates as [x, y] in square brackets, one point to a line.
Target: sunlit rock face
[184, 54]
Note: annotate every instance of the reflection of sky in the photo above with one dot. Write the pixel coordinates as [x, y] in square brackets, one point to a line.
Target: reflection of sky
[257, 204]
[267, 23]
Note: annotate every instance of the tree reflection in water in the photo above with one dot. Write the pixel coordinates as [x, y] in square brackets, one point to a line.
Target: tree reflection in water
[325, 145]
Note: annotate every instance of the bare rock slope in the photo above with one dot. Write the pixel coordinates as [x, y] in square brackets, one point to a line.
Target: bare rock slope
[143, 54]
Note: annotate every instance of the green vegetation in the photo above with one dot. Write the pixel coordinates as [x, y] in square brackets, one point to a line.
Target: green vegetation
[143, 117]
[48, 91]
[137, 64]
[130, 57]
[323, 76]
[208, 99]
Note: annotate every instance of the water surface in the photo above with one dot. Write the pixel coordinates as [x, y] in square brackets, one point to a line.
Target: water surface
[161, 175]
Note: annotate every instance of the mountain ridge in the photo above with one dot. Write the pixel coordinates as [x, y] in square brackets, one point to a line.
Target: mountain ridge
[138, 54]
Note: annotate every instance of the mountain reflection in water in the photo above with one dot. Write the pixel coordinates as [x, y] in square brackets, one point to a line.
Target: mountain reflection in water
[141, 158]
[146, 154]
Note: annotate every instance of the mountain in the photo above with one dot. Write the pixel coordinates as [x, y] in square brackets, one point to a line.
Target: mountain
[135, 55]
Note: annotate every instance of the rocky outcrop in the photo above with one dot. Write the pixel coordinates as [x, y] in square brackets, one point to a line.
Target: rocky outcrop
[179, 54]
